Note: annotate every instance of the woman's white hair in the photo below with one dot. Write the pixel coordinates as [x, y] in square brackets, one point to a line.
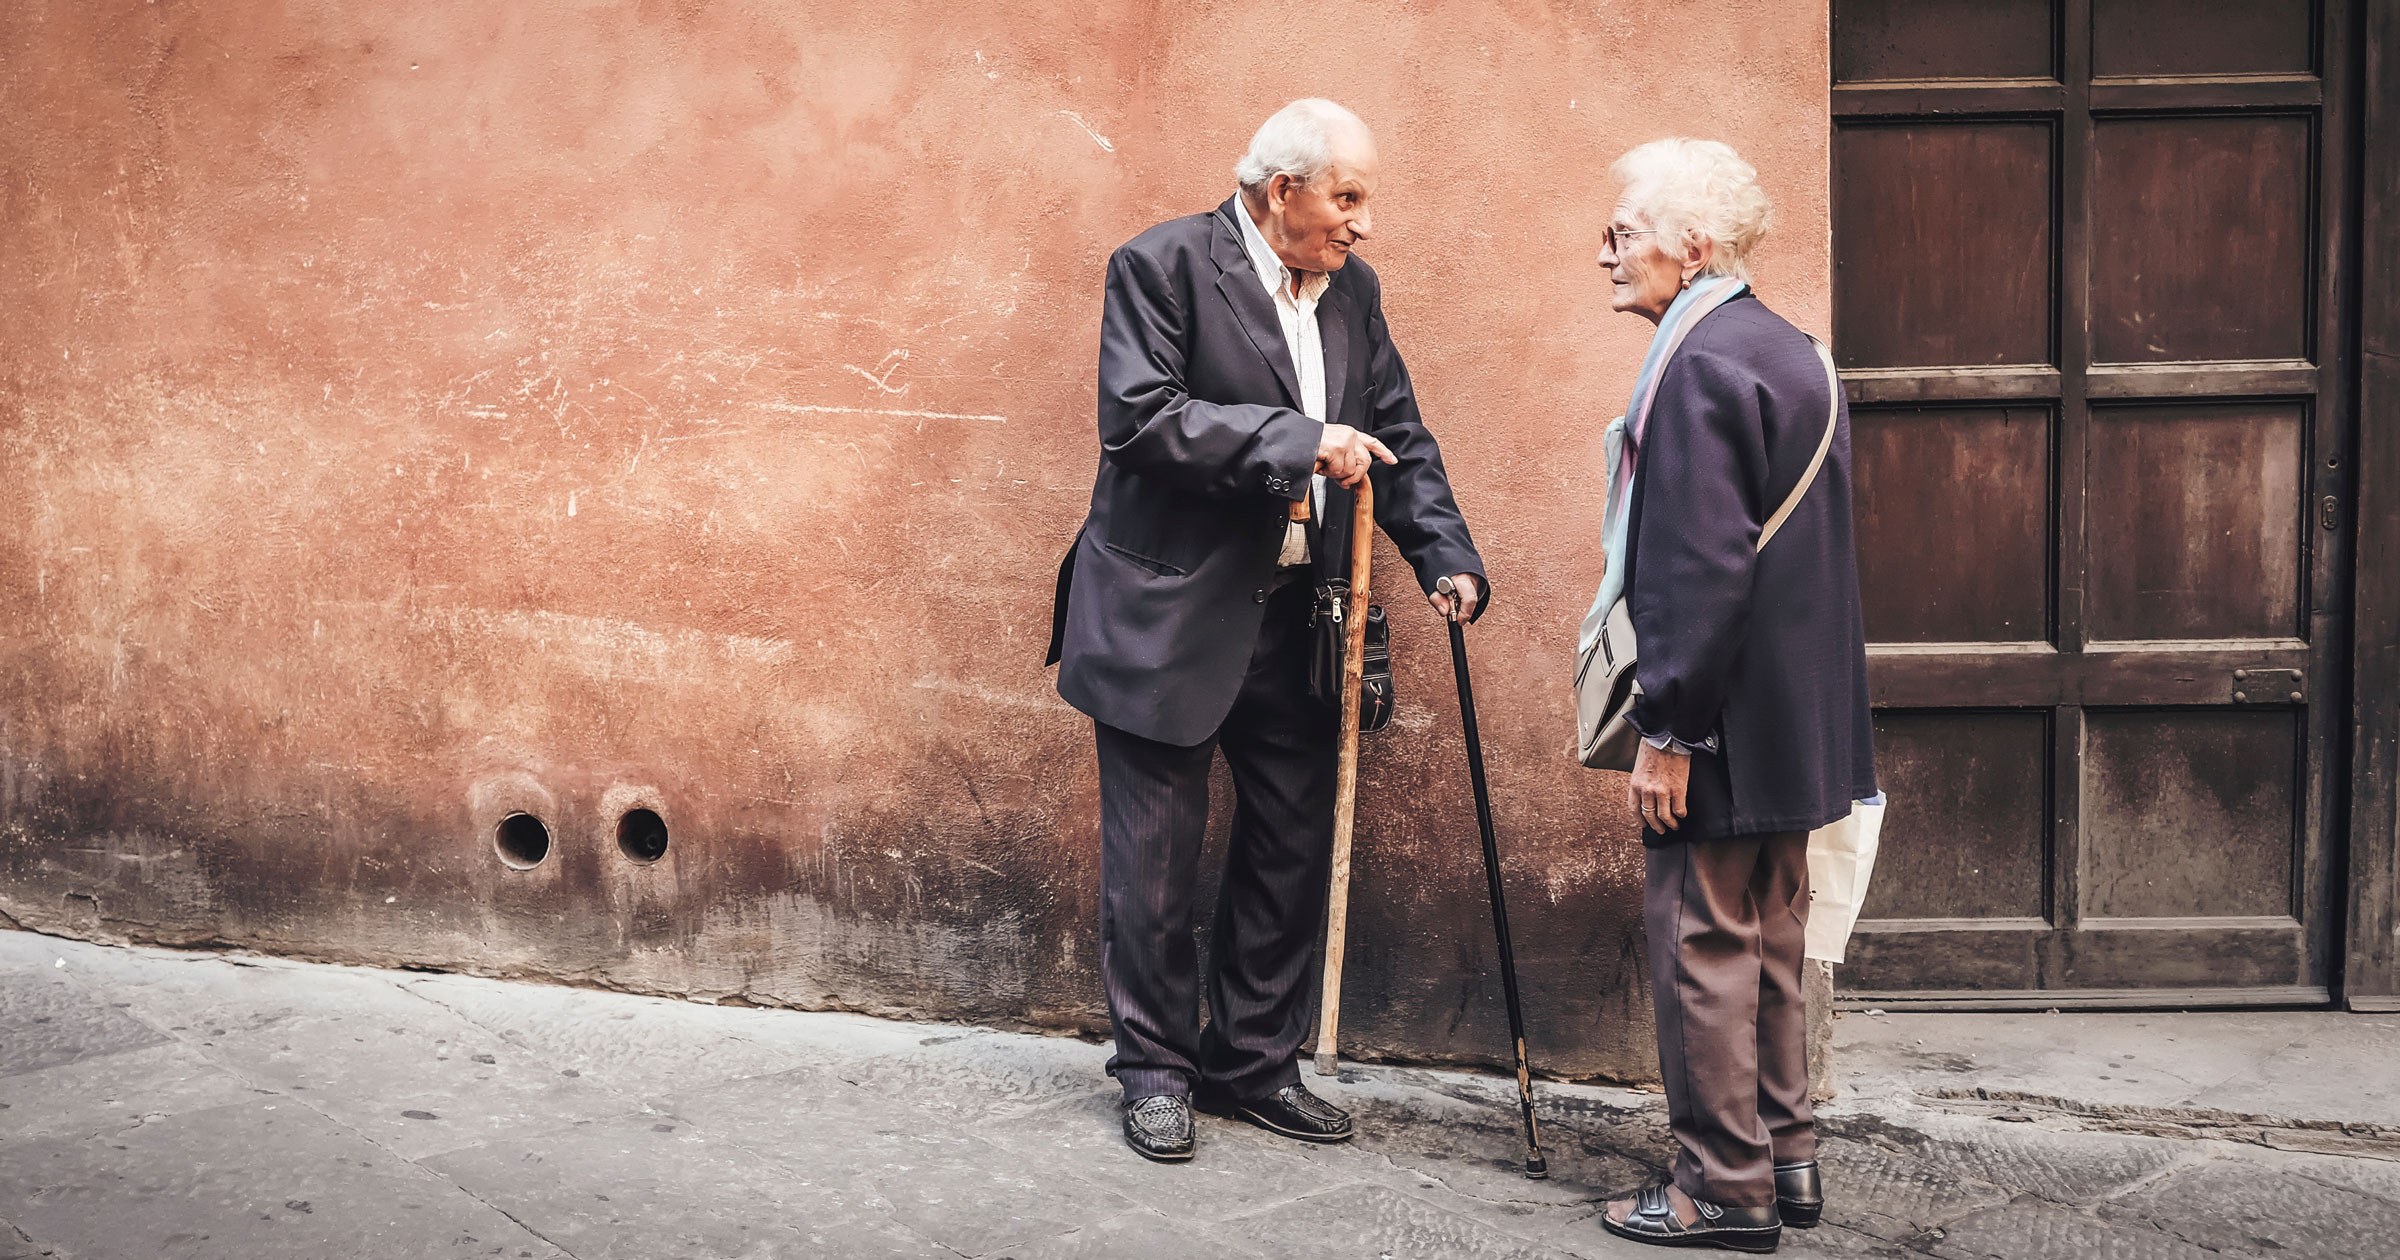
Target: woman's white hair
[1688, 187]
[1297, 141]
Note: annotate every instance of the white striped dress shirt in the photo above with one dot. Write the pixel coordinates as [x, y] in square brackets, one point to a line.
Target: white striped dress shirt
[1298, 314]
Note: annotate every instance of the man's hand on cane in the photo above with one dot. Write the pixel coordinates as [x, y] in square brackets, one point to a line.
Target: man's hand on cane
[1456, 596]
[1344, 454]
[1656, 790]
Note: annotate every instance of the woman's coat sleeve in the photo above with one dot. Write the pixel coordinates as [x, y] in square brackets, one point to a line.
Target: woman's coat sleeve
[1695, 556]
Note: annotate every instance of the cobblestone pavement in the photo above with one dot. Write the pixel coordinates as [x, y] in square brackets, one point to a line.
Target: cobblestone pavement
[157, 1104]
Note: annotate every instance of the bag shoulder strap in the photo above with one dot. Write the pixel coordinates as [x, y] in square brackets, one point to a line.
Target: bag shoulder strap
[1833, 416]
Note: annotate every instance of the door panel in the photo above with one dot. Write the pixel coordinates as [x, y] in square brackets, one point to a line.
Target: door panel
[2210, 791]
[1973, 849]
[1941, 39]
[2200, 238]
[1977, 194]
[1936, 485]
[2195, 519]
[2147, 38]
[2172, 963]
[2079, 319]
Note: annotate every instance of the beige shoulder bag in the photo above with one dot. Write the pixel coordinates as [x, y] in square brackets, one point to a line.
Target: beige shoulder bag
[1604, 682]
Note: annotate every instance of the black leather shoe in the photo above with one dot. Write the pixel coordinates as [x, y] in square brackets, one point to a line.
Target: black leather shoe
[1295, 1113]
[1752, 1229]
[1159, 1127]
[1799, 1194]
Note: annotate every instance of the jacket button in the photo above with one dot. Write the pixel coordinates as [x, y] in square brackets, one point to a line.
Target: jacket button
[1259, 596]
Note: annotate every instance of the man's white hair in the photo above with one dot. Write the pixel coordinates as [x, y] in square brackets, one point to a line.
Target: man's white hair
[1687, 187]
[1297, 141]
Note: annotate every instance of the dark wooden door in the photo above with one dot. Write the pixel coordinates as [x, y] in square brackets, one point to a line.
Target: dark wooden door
[2087, 316]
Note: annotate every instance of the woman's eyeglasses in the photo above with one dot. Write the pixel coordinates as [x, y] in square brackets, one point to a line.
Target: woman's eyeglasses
[1614, 237]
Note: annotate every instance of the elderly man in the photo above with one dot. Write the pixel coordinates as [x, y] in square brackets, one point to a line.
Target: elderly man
[1247, 385]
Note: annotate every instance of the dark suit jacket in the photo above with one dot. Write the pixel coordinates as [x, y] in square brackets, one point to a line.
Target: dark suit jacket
[1766, 649]
[1202, 449]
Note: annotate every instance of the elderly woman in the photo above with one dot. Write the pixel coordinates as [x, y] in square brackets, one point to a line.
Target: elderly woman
[1752, 676]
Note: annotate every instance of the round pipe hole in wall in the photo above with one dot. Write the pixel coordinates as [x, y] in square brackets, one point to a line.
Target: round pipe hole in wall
[642, 835]
[522, 841]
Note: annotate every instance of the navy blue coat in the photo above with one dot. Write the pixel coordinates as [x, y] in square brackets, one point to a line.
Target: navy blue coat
[1765, 650]
[1202, 450]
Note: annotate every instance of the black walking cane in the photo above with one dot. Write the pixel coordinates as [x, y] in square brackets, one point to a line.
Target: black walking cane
[1535, 1165]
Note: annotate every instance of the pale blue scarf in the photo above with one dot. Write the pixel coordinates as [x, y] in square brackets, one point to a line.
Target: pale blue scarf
[1623, 441]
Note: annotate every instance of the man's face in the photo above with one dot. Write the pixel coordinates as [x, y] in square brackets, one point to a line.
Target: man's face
[1643, 277]
[1314, 227]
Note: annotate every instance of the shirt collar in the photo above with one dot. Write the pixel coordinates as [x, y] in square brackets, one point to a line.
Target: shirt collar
[1271, 271]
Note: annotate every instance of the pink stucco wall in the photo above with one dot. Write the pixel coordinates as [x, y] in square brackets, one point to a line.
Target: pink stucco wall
[411, 414]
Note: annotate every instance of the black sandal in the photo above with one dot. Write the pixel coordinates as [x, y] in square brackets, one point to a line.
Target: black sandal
[1652, 1221]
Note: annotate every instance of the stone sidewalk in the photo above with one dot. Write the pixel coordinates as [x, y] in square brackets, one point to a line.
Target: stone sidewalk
[160, 1104]
[2207, 1070]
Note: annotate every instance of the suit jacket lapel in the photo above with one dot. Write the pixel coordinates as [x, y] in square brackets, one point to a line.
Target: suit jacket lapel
[1237, 279]
[1333, 328]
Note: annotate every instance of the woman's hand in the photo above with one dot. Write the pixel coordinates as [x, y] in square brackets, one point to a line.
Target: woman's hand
[1656, 790]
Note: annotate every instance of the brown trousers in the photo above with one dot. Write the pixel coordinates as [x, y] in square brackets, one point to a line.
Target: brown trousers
[1728, 924]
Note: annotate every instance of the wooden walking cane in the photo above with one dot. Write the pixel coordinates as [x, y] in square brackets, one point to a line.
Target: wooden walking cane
[1345, 792]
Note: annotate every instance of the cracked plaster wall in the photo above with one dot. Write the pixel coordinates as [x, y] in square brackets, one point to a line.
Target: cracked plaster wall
[415, 414]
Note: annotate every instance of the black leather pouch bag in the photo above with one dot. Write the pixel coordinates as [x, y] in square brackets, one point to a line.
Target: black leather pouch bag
[1326, 637]
[1375, 700]
[1329, 623]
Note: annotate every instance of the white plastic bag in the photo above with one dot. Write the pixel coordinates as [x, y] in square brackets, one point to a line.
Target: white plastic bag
[1841, 859]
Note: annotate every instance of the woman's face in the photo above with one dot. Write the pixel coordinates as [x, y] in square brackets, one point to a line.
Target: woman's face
[1643, 277]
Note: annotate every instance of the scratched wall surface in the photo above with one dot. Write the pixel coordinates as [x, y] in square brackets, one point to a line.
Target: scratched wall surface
[415, 414]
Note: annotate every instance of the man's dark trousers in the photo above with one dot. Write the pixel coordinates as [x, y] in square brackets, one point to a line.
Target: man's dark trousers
[1280, 744]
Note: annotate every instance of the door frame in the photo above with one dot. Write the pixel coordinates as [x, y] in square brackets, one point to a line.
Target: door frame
[2370, 979]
